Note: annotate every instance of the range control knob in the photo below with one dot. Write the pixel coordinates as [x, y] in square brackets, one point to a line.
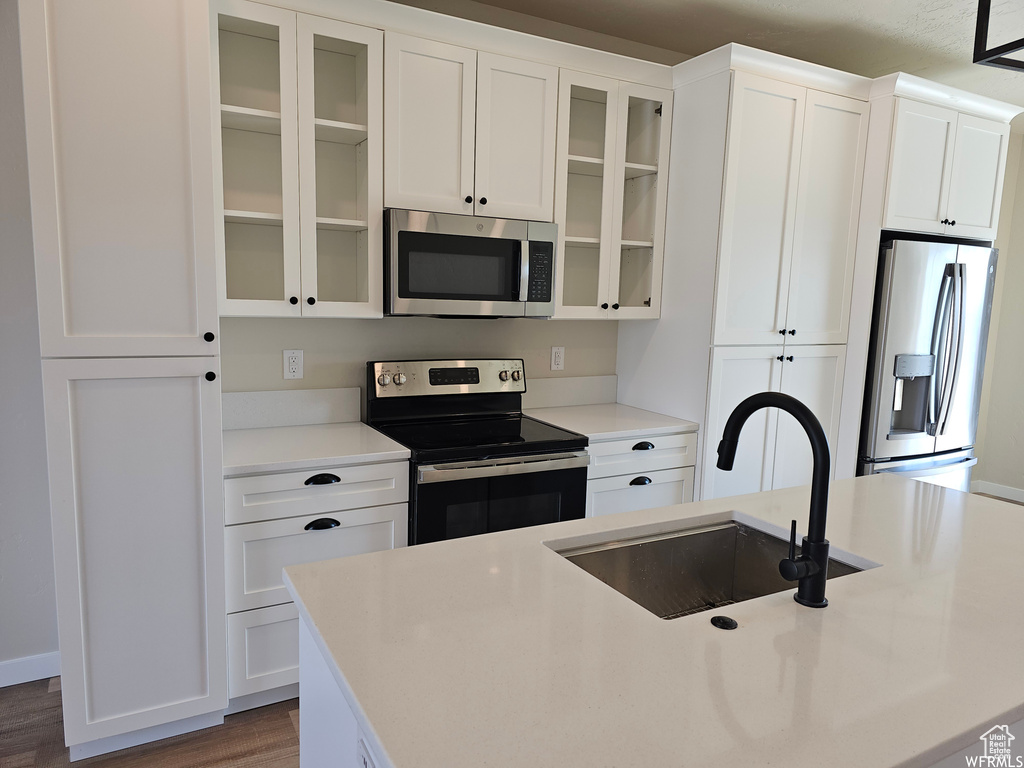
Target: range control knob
[517, 375]
[383, 379]
[399, 379]
[503, 375]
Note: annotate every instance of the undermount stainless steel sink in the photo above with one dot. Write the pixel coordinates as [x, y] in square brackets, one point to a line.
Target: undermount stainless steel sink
[682, 572]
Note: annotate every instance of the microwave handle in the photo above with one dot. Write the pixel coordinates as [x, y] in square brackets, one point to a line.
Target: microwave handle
[524, 270]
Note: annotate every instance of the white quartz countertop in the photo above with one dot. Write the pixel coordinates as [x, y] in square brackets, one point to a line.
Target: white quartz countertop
[496, 651]
[611, 421]
[280, 449]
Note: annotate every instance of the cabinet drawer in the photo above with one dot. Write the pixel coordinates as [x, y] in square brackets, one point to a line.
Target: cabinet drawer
[263, 649]
[271, 497]
[625, 457]
[615, 494]
[255, 553]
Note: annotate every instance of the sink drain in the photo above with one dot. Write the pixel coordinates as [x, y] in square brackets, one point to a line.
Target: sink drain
[723, 622]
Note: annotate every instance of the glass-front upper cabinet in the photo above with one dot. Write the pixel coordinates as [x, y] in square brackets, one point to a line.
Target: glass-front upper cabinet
[610, 197]
[301, 164]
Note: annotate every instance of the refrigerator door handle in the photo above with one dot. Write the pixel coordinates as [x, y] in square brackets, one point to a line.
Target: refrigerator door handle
[940, 332]
[959, 320]
[962, 464]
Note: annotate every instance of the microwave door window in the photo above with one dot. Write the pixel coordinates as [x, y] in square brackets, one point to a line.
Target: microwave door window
[432, 266]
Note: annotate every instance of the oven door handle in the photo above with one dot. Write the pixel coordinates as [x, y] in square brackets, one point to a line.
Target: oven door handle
[522, 466]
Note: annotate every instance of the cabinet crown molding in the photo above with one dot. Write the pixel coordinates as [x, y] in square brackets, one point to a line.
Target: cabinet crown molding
[913, 87]
[773, 65]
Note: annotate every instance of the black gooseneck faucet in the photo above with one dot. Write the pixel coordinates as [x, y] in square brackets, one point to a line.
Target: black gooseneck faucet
[811, 568]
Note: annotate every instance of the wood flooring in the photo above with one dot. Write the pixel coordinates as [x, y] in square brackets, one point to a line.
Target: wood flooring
[32, 736]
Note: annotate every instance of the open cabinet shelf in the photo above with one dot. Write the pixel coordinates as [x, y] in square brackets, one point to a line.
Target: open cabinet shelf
[301, 128]
[611, 203]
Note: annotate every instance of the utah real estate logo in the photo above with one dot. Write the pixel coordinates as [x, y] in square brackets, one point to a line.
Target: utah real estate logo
[998, 750]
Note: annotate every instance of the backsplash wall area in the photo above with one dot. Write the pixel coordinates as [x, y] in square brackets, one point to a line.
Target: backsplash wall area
[335, 351]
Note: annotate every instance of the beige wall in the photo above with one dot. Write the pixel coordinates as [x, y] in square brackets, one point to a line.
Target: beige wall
[1000, 445]
[28, 608]
[335, 352]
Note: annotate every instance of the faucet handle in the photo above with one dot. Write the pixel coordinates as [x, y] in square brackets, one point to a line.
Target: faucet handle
[794, 568]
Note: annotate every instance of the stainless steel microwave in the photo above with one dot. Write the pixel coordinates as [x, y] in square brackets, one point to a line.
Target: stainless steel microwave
[443, 264]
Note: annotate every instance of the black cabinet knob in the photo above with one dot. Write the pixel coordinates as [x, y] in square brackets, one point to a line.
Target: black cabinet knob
[615, 306]
[642, 480]
[782, 332]
[210, 375]
[311, 301]
[952, 223]
[605, 305]
[789, 358]
[209, 336]
[792, 332]
[483, 201]
[293, 300]
[780, 358]
[644, 445]
[469, 198]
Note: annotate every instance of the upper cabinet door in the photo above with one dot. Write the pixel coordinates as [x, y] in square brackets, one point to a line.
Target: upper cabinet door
[758, 210]
[920, 164]
[516, 116]
[117, 110]
[641, 187]
[429, 108]
[255, 159]
[827, 214]
[976, 183]
[341, 163]
[584, 193]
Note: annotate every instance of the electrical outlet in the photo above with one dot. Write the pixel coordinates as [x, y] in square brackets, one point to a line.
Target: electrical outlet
[558, 358]
[293, 363]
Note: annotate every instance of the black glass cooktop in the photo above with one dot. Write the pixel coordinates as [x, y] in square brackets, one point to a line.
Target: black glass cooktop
[477, 438]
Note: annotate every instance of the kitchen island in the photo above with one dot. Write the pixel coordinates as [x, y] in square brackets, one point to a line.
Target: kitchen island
[497, 651]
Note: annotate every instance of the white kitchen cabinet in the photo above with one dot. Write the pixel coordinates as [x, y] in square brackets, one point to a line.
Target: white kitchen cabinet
[945, 171]
[773, 450]
[298, 160]
[640, 472]
[793, 174]
[255, 553]
[288, 518]
[610, 197]
[468, 132]
[117, 117]
[134, 457]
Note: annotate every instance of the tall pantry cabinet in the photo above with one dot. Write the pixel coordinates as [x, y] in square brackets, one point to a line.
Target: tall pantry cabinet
[118, 121]
[765, 183]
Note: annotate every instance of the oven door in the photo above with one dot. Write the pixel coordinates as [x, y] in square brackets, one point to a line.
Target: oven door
[467, 498]
[441, 264]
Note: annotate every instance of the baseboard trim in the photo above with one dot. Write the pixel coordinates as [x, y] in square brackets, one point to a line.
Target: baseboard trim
[994, 489]
[144, 736]
[262, 698]
[29, 668]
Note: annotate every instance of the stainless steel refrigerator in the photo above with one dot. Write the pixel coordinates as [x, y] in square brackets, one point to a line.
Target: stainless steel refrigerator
[928, 335]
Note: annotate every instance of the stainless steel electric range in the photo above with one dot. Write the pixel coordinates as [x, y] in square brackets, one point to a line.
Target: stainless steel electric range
[478, 464]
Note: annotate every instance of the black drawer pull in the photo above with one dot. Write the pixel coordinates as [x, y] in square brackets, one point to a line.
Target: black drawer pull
[322, 524]
[645, 445]
[642, 480]
[325, 478]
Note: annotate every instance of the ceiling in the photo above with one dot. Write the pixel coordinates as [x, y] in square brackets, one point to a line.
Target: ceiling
[929, 38]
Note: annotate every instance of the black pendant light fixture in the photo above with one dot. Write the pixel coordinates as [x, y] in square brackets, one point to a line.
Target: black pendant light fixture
[994, 57]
